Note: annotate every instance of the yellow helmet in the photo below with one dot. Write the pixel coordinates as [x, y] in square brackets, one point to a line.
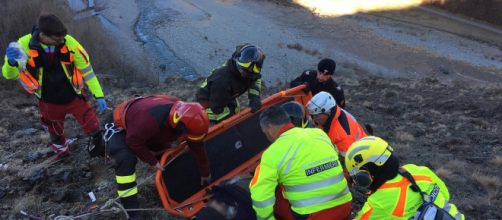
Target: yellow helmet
[367, 150]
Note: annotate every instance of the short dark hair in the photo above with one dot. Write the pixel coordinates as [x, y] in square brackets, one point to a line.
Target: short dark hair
[327, 66]
[51, 25]
[274, 115]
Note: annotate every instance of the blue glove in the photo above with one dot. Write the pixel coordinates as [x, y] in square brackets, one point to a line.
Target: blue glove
[12, 54]
[101, 105]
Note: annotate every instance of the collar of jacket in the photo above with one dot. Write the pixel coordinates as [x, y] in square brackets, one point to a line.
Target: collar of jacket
[285, 128]
[334, 114]
[35, 42]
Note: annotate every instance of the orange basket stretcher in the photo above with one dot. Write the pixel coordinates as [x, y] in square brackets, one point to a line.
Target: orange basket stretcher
[234, 148]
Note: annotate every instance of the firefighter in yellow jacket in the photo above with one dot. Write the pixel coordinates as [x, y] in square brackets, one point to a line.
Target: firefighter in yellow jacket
[397, 192]
[306, 164]
[53, 66]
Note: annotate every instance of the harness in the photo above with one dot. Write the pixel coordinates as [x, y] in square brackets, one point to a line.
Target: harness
[120, 111]
[31, 77]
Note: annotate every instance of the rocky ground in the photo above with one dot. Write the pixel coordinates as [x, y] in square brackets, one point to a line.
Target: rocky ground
[444, 113]
[454, 129]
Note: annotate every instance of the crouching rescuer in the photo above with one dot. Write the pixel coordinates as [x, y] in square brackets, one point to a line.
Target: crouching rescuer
[397, 192]
[304, 163]
[143, 126]
[54, 67]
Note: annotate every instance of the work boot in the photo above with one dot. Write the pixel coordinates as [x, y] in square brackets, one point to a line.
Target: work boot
[96, 145]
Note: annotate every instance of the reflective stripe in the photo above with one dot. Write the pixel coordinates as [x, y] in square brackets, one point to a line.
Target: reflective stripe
[256, 69]
[265, 203]
[458, 216]
[284, 157]
[254, 92]
[378, 159]
[316, 200]
[87, 69]
[367, 214]
[216, 117]
[245, 65]
[89, 76]
[31, 88]
[286, 171]
[368, 138]
[127, 193]
[403, 187]
[258, 83]
[126, 179]
[356, 150]
[446, 206]
[315, 185]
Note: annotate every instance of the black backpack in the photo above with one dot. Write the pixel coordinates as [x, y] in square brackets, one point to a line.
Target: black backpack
[428, 210]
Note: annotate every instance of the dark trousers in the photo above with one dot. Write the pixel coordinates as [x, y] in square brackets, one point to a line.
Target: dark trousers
[125, 170]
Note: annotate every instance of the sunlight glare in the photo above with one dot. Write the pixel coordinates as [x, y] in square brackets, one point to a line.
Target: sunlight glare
[349, 7]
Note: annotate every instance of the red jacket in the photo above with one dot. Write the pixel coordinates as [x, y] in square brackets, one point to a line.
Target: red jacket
[343, 130]
[148, 130]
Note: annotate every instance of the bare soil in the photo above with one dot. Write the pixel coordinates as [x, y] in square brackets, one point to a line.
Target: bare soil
[454, 128]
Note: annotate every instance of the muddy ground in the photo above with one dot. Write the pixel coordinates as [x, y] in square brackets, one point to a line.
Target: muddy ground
[454, 129]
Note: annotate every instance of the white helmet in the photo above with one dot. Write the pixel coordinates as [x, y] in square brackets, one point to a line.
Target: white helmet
[322, 102]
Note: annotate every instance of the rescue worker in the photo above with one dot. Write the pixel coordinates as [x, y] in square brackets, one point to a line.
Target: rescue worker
[395, 190]
[232, 199]
[321, 80]
[297, 114]
[220, 90]
[55, 72]
[341, 127]
[306, 164]
[145, 125]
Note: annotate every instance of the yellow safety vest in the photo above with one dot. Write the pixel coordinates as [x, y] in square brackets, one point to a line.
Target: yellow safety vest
[77, 68]
[305, 162]
[396, 200]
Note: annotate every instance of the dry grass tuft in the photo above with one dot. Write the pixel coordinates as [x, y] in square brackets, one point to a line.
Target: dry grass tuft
[404, 136]
[497, 161]
[486, 181]
[106, 55]
[444, 173]
[474, 203]
[457, 165]
[29, 203]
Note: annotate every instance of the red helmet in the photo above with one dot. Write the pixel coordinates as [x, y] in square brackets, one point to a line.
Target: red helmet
[191, 119]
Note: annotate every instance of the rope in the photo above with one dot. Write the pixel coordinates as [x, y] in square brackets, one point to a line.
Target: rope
[112, 205]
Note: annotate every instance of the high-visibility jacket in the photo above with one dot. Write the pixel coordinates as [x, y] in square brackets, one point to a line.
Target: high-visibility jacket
[396, 200]
[343, 130]
[222, 88]
[305, 162]
[74, 62]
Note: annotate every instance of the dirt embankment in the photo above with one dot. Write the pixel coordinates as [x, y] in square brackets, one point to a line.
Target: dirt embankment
[485, 10]
[452, 129]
